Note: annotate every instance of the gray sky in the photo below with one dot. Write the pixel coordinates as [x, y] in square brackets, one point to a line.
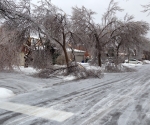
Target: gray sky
[132, 7]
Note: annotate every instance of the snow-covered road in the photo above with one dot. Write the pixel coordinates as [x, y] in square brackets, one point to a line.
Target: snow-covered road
[116, 99]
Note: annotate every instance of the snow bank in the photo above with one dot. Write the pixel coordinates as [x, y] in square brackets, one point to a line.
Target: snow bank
[68, 78]
[146, 61]
[89, 67]
[6, 93]
[131, 65]
[28, 70]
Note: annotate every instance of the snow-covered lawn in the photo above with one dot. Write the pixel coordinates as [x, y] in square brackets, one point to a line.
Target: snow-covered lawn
[146, 61]
[69, 77]
[130, 65]
[87, 66]
[28, 70]
[90, 67]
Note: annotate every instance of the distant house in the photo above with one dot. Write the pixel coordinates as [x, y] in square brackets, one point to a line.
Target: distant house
[82, 48]
[33, 45]
[79, 54]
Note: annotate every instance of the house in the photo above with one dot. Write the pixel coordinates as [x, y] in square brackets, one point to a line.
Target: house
[34, 45]
[79, 54]
[72, 53]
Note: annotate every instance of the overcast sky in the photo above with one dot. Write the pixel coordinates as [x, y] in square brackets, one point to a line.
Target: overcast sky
[132, 7]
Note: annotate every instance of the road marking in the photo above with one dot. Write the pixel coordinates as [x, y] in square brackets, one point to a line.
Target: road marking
[46, 113]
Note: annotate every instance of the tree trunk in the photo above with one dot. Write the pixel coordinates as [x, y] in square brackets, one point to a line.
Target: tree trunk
[128, 55]
[117, 55]
[99, 59]
[117, 52]
[99, 48]
[66, 56]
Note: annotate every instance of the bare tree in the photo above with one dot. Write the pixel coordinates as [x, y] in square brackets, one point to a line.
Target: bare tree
[99, 35]
[146, 8]
[16, 22]
[55, 25]
[48, 21]
[129, 34]
[9, 48]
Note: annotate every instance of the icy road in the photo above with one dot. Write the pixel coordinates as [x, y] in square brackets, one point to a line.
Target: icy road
[116, 99]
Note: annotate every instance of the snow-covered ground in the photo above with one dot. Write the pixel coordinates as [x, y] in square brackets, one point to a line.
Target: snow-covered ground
[6, 93]
[130, 65]
[27, 71]
[116, 99]
[146, 61]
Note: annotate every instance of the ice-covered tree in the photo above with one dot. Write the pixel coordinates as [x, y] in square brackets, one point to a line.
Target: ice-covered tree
[98, 36]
